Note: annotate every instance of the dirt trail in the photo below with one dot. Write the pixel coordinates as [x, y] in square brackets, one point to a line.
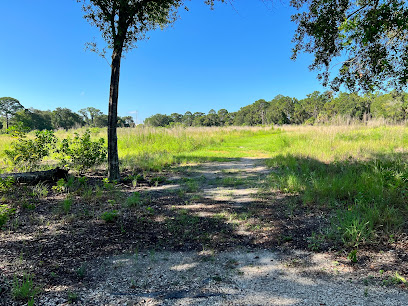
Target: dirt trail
[240, 277]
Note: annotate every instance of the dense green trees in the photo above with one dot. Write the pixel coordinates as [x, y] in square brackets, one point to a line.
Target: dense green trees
[316, 108]
[18, 117]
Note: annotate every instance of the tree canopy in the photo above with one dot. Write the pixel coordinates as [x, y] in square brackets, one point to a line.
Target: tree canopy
[122, 23]
[316, 108]
[9, 107]
[367, 40]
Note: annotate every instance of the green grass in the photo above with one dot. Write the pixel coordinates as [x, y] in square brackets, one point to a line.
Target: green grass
[24, 289]
[358, 174]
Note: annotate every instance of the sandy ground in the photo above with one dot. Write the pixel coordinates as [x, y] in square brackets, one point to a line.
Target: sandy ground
[240, 277]
[233, 278]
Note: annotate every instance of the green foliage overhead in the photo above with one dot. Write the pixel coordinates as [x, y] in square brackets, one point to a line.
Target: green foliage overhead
[368, 38]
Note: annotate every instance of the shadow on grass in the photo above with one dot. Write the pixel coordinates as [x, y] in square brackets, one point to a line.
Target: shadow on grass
[366, 198]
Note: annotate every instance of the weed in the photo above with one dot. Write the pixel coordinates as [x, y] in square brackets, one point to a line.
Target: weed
[108, 185]
[66, 205]
[315, 242]
[398, 279]
[5, 213]
[30, 302]
[40, 190]
[60, 187]
[217, 278]
[24, 290]
[29, 206]
[232, 182]
[110, 216]
[352, 256]
[81, 271]
[72, 297]
[286, 238]
[133, 200]
[191, 186]
[195, 197]
[150, 210]
[6, 184]
[111, 202]
[157, 180]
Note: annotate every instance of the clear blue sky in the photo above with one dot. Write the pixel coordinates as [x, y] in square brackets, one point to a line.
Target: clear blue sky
[228, 57]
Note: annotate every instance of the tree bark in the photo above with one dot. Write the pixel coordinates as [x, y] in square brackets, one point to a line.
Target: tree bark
[113, 159]
[32, 178]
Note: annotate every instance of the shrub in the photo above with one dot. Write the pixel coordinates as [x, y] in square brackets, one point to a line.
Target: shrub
[28, 153]
[81, 153]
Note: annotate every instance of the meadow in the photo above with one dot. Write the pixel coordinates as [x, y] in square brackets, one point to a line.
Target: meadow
[326, 188]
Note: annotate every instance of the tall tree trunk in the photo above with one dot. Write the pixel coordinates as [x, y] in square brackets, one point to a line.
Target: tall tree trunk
[113, 159]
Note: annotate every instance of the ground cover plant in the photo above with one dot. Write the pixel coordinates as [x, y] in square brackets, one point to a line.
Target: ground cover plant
[328, 188]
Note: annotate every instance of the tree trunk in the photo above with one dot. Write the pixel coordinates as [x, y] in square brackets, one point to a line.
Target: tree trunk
[32, 178]
[113, 159]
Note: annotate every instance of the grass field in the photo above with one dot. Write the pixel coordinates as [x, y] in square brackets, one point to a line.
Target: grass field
[360, 172]
[327, 187]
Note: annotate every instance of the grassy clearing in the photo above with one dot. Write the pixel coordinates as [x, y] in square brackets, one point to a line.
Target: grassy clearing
[358, 173]
[356, 177]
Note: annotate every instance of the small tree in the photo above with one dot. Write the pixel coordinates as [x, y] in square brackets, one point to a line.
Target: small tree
[122, 24]
[8, 108]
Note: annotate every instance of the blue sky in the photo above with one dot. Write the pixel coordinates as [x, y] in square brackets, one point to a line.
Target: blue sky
[228, 57]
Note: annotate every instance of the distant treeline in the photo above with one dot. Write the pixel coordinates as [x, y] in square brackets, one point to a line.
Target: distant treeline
[315, 108]
[60, 118]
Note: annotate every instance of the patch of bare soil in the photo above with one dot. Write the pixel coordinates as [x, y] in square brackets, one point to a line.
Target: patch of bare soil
[205, 234]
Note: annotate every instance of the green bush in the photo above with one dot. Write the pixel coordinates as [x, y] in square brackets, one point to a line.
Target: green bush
[81, 153]
[28, 153]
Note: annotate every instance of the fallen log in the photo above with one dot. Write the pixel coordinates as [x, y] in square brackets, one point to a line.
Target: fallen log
[36, 177]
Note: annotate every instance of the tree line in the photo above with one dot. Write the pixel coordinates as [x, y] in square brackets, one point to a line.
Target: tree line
[17, 116]
[316, 108]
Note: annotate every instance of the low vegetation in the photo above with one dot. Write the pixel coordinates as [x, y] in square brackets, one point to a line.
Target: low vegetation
[340, 188]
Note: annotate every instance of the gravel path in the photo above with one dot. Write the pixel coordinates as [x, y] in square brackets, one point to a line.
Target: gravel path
[233, 278]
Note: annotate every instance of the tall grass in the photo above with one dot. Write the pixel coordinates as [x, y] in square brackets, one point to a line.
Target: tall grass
[155, 148]
[358, 173]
